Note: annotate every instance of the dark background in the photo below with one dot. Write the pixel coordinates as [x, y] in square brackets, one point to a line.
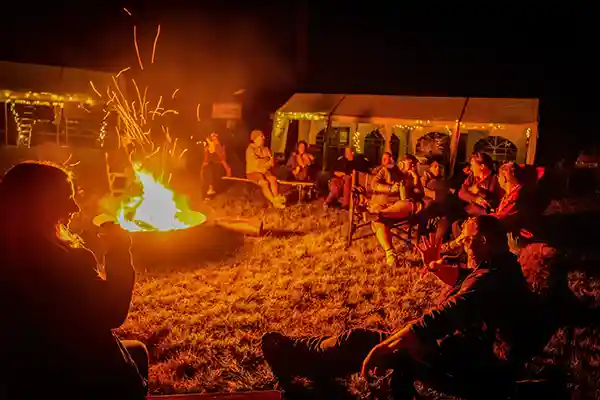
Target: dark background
[212, 49]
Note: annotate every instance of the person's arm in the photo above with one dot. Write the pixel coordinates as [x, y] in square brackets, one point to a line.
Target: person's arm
[380, 184]
[465, 193]
[205, 156]
[252, 161]
[292, 162]
[224, 162]
[104, 300]
[467, 307]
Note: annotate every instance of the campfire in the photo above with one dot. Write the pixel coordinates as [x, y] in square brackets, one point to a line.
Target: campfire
[156, 208]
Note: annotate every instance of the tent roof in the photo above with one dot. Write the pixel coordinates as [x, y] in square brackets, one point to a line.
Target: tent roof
[479, 110]
[23, 78]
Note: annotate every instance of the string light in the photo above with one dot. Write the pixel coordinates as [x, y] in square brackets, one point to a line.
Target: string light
[24, 126]
[282, 117]
[43, 98]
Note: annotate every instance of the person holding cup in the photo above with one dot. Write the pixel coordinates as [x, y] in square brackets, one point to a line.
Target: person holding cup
[397, 195]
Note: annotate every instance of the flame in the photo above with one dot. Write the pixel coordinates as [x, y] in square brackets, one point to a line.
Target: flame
[156, 208]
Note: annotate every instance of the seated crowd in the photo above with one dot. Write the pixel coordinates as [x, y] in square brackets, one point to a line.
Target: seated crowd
[59, 310]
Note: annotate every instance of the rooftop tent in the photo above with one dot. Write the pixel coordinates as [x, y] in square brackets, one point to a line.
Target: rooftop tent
[514, 121]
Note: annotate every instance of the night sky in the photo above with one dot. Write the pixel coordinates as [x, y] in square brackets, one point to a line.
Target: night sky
[222, 46]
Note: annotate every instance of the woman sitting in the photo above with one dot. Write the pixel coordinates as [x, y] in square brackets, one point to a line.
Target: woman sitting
[57, 311]
[300, 162]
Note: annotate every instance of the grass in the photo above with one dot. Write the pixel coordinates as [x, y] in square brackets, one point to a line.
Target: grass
[203, 324]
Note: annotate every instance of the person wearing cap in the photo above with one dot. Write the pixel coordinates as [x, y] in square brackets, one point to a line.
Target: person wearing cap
[215, 161]
[397, 196]
[259, 168]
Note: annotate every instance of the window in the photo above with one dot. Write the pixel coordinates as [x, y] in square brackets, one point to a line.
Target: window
[502, 150]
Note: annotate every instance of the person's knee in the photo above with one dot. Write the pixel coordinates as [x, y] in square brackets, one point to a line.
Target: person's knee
[377, 226]
[139, 354]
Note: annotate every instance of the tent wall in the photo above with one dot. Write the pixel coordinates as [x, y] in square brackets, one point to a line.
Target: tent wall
[410, 118]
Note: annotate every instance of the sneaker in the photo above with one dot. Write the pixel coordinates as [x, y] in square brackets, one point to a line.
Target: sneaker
[211, 191]
[279, 349]
[391, 258]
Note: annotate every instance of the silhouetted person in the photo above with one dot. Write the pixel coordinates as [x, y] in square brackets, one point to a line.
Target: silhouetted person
[451, 348]
[57, 311]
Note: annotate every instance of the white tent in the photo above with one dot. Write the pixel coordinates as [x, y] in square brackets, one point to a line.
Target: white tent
[507, 128]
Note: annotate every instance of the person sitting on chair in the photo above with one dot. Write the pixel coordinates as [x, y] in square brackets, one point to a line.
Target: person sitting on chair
[300, 162]
[214, 163]
[58, 310]
[259, 168]
[452, 348]
[340, 185]
[480, 191]
[397, 195]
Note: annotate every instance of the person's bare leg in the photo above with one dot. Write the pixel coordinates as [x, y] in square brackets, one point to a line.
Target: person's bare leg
[266, 190]
[273, 185]
[384, 237]
[400, 210]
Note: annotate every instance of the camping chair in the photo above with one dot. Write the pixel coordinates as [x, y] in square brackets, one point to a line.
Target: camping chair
[360, 217]
[118, 180]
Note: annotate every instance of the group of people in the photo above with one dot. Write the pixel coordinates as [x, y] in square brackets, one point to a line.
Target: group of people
[500, 308]
[60, 307]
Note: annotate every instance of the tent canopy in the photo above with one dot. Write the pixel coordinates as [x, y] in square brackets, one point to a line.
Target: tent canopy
[404, 108]
[24, 78]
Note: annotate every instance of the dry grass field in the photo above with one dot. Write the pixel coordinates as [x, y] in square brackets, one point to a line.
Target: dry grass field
[203, 321]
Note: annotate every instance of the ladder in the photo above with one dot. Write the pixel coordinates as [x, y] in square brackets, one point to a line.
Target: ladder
[118, 180]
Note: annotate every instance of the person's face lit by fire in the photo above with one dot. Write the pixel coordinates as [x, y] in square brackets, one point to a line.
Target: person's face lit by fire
[475, 244]
[214, 137]
[64, 204]
[434, 168]
[301, 148]
[348, 153]
[408, 164]
[260, 140]
[386, 159]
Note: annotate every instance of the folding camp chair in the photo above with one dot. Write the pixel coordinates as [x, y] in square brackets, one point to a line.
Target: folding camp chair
[360, 218]
[118, 180]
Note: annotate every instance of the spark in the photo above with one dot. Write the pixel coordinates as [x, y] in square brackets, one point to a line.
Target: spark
[198, 112]
[123, 70]
[127, 11]
[174, 93]
[94, 89]
[137, 49]
[155, 42]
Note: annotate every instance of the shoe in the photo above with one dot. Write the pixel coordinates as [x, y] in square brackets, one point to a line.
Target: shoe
[287, 357]
[211, 191]
[390, 258]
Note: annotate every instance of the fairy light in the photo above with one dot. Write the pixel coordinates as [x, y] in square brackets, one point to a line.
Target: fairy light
[282, 117]
[357, 143]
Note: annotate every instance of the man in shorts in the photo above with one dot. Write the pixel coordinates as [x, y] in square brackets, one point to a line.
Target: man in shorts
[259, 166]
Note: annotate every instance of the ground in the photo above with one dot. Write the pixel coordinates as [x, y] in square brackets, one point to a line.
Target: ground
[203, 323]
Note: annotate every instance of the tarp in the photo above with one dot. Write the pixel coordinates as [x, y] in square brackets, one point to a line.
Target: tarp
[410, 108]
[18, 77]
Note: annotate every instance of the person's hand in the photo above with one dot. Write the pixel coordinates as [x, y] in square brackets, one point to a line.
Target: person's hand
[513, 244]
[114, 238]
[381, 357]
[430, 249]
[474, 189]
[482, 202]
[339, 174]
[377, 361]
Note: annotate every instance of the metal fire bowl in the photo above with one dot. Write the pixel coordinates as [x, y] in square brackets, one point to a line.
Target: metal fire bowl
[186, 247]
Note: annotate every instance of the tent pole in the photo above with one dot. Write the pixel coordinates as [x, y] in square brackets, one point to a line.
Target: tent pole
[328, 132]
[6, 122]
[456, 138]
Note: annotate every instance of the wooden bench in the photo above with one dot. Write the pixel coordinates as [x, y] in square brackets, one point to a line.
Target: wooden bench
[302, 187]
[258, 395]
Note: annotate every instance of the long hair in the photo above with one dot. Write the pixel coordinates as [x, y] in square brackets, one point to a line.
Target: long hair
[23, 188]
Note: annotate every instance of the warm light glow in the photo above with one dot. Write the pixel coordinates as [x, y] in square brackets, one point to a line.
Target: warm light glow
[156, 208]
